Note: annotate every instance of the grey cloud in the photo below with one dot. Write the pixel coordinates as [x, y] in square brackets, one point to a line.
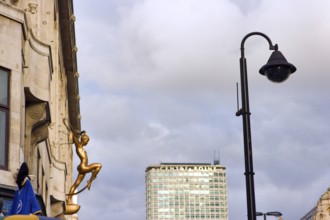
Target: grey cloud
[157, 84]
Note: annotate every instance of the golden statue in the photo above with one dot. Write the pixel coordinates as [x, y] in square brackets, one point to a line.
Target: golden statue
[80, 140]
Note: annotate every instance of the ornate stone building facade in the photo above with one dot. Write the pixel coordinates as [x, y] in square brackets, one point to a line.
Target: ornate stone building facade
[38, 89]
[322, 209]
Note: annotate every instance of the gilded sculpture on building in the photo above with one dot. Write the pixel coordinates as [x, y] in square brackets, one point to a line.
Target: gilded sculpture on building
[80, 140]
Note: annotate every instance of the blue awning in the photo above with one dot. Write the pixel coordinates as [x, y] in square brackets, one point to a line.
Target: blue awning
[26, 217]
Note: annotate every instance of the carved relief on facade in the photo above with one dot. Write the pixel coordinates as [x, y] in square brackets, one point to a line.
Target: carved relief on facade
[37, 120]
[323, 207]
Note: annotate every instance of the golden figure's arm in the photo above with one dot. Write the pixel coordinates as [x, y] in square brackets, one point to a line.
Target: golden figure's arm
[75, 139]
[73, 134]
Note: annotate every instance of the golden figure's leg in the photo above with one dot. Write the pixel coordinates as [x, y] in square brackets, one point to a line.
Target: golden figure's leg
[96, 167]
[74, 187]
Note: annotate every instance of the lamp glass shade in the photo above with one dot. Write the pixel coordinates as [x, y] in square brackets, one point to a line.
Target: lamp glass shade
[277, 69]
[276, 214]
[277, 74]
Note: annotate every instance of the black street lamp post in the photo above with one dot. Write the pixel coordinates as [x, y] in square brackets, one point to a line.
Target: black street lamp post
[276, 214]
[277, 70]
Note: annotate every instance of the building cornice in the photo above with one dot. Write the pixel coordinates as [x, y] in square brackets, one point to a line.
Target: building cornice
[184, 165]
[68, 40]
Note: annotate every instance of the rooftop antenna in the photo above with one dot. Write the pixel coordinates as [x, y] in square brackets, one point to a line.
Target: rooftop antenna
[216, 160]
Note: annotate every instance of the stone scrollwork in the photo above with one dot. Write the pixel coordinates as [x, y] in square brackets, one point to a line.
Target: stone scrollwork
[36, 112]
[37, 120]
[32, 7]
[39, 134]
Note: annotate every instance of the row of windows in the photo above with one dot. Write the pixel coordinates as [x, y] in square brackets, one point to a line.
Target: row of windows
[192, 194]
[4, 115]
[188, 203]
[171, 197]
[187, 210]
[188, 216]
[186, 179]
[186, 199]
[199, 203]
[170, 201]
[205, 206]
[187, 190]
[180, 173]
[185, 186]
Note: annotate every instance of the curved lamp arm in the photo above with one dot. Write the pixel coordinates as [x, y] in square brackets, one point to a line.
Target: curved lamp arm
[271, 46]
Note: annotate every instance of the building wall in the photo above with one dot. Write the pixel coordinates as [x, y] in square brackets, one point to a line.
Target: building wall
[43, 91]
[11, 59]
[322, 209]
[186, 191]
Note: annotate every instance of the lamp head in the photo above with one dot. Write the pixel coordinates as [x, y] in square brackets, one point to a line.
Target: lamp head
[277, 69]
[276, 214]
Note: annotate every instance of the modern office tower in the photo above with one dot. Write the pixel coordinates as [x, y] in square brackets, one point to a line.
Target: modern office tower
[177, 191]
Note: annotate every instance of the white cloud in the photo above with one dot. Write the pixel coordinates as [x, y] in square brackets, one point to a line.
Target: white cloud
[158, 85]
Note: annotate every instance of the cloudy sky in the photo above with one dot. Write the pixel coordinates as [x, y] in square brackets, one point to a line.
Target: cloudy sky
[158, 84]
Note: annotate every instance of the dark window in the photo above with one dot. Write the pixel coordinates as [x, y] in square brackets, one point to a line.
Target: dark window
[4, 111]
